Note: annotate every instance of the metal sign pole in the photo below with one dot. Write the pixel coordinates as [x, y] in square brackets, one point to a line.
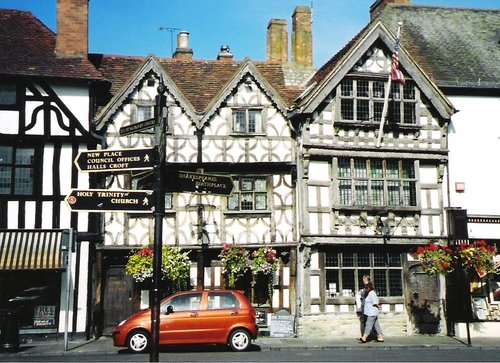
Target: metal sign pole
[159, 214]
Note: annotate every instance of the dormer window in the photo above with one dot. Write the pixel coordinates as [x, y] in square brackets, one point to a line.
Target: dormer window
[362, 100]
[247, 120]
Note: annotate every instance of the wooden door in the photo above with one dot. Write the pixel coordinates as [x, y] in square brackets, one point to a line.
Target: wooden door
[422, 297]
[117, 298]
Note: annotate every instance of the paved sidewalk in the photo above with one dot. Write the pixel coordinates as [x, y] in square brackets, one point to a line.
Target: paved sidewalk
[104, 345]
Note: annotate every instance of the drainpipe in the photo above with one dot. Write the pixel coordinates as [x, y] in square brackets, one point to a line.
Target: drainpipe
[298, 231]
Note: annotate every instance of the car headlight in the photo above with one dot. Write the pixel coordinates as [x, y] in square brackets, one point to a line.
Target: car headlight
[122, 322]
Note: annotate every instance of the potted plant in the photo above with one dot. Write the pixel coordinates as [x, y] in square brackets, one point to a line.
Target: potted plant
[235, 263]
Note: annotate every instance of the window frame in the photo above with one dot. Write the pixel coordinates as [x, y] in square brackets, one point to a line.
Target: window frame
[237, 193]
[381, 274]
[14, 165]
[139, 108]
[12, 88]
[362, 182]
[370, 99]
[259, 127]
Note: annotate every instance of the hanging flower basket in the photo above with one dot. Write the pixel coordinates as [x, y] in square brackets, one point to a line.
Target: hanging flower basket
[175, 267]
[478, 257]
[436, 259]
[235, 262]
[265, 262]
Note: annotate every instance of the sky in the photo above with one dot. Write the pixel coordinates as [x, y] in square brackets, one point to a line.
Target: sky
[143, 27]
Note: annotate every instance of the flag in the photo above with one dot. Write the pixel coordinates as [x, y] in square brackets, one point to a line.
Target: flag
[396, 74]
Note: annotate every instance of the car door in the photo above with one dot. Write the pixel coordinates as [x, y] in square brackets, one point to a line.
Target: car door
[182, 325]
[221, 314]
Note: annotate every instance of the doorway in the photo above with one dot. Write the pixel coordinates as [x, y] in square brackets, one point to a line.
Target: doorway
[422, 297]
[117, 298]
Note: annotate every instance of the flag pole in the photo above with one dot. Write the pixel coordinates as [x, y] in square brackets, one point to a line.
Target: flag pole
[387, 91]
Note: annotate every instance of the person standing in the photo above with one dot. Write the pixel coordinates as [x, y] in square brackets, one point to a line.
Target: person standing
[360, 299]
[371, 309]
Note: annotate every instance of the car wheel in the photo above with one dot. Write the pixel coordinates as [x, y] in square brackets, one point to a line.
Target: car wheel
[138, 341]
[239, 340]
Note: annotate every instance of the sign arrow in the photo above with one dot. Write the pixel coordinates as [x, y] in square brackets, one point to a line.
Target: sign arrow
[106, 200]
[137, 127]
[115, 160]
[186, 181]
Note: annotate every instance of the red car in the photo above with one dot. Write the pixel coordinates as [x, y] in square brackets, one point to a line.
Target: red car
[193, 317]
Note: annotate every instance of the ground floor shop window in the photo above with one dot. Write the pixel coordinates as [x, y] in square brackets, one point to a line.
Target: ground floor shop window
[345, 270]
[34, 295]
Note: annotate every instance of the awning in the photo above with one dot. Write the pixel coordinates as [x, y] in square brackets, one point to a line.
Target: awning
[35, 249]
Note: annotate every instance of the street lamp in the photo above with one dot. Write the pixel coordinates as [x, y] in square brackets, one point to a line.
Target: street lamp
[159, 213]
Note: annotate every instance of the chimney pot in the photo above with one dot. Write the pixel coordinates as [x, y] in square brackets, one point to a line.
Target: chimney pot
[183, 51]
[225, 54]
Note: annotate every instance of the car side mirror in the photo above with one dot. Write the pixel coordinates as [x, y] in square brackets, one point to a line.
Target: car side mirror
[170, 309]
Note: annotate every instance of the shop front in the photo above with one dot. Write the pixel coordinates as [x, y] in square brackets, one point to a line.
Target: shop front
[31, 274]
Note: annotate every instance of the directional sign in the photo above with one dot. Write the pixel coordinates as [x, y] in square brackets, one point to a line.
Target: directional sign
[106, 200]
[187, 181]
[137, 127]
[115, 160]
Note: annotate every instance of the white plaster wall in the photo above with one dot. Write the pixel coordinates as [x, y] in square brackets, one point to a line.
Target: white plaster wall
[83, 279]
[474, 143]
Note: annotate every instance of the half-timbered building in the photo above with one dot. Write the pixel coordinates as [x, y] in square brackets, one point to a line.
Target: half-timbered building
[458, 49]
[319, 173]
[224, 117]
[46, 92]
[369, 193]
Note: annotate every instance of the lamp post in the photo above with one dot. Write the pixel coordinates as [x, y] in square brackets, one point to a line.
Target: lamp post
[159, 213]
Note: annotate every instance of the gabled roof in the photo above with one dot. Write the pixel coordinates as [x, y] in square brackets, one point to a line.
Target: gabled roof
[27, 49]
[131, 82]
[456, 47]
[332, 73]
[201, 83]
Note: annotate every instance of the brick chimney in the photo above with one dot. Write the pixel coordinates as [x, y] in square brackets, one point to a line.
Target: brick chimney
[183, 52]
[302, 37]
[379, 5]
[277, 41]
[72, 28]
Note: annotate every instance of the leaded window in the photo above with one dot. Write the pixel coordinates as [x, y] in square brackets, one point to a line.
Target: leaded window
[249, 194]
[362, 100]
[17, 170]
[247, 121]
[8, 94]
[144, 113]
[376, 182]
[345, 270]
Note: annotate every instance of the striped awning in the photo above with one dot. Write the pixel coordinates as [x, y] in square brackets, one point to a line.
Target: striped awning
[32, 249]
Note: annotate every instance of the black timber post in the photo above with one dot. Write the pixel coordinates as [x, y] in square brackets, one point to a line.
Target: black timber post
[159, 213]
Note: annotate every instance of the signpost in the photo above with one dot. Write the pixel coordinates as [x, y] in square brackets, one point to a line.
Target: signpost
[137, 127]
[102, 200]
[187, 181]
[115, 160]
